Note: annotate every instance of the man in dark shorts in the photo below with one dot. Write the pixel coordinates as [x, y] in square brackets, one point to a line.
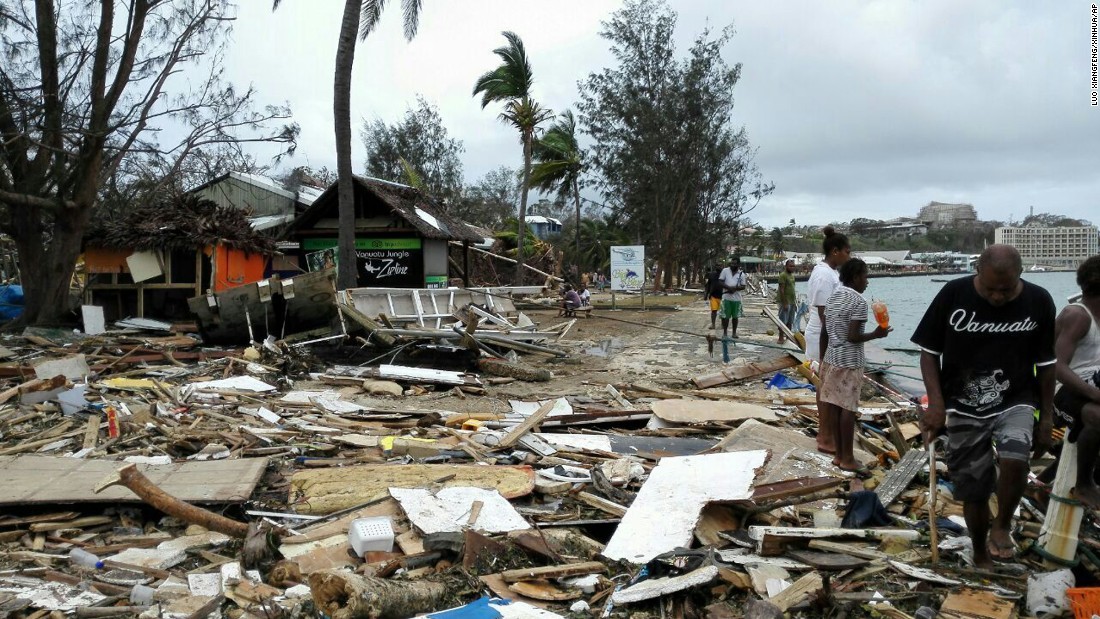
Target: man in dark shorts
[987, 359]
[1077, 346]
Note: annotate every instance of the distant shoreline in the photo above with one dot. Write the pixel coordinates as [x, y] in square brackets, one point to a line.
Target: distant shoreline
[801, 277]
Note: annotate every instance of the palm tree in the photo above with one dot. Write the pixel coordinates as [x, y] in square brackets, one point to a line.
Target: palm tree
[510, 84]
[559, 165]
[360, 16]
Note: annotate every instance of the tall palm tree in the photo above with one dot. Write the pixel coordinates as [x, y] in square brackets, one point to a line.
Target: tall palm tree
[510, 84]
[360, 16]
[559, 166]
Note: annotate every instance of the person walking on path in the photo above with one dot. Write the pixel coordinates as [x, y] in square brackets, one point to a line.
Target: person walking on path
[842, 368]
[733, 282]
[987, 360]
[712, 292]
[785, 298]
[823, 283]
[1077, 349]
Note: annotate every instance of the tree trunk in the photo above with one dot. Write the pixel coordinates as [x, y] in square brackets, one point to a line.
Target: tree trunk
[341, 109]
[528, 138]
[49, 265]
[577, 224]
[344, 595]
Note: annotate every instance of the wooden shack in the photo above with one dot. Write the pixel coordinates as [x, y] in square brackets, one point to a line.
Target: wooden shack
[401, 235]
[148, 262]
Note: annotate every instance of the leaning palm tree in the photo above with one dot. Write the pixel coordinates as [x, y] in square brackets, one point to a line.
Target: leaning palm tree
[360, 16]
[560, 165]
[510, 84]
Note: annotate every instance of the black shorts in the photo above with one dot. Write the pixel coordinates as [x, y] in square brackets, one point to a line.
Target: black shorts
[1068, 404]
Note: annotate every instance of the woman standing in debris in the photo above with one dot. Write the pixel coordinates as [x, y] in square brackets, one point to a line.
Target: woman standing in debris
[842, 366]
[823, 283]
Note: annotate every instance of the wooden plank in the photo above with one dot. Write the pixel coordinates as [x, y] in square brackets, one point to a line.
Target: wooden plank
[526, 425]
[748, 370]
[765, 493]
[899, 477]
[91, 431]
[72, 480]
[602, 504]
[554, 571]
[703, 411]
[848, 549]
[800, 590]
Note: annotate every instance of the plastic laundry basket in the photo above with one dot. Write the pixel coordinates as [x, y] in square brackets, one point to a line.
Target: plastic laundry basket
[1085, 601]
[371, 534]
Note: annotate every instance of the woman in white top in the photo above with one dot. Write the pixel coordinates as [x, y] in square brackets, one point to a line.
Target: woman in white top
[824, 281]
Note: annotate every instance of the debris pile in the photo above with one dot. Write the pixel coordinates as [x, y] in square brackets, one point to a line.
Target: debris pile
[144, 475]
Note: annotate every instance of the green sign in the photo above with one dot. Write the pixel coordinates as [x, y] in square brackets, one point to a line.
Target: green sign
[435, 281]
[315, 244]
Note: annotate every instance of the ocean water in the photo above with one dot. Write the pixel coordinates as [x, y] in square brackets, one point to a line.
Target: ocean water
[908, 298]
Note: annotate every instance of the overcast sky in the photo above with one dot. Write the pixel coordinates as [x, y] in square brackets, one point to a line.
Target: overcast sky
[857, 108]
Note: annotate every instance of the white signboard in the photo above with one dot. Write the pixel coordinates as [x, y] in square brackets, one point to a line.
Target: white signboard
[627, 267]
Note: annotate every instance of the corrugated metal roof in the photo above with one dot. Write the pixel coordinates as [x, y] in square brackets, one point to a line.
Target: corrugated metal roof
[422, 211]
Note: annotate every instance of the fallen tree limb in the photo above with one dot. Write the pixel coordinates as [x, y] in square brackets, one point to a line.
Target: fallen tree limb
[147, 491]
[344, 595]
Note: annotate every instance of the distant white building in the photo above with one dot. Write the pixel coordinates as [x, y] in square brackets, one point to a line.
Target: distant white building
[543, 227]
[1053, 247]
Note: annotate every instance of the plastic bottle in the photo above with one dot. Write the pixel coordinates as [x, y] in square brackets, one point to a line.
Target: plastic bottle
[85, 559]
[882, 315]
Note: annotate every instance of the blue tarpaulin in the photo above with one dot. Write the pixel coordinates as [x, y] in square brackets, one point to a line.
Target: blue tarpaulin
[11, 302]
[782, 381]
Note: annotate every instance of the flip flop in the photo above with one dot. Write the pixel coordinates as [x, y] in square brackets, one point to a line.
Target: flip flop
[996, 551]
[826, 451]
[861, 471]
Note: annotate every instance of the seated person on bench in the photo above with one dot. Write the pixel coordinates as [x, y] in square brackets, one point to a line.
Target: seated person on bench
[570, 301]
[586, 299]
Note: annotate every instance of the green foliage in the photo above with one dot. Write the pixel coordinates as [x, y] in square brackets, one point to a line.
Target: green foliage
[1053, 221]
[665, 145]
[418, 148]
[490, 201]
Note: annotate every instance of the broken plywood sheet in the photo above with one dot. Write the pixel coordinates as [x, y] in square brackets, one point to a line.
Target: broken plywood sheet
[703, 411]
[966, 603]
[793, 454]
[323, 491]
[50, 595]
[73, 480]
[452, 509]
[674, 495]
[235, 383]
[657, 587]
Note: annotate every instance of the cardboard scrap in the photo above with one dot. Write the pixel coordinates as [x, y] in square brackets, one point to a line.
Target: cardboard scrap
[449, 510]
[674, 495]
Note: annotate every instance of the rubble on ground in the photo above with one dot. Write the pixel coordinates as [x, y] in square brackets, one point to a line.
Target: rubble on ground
[486, 463]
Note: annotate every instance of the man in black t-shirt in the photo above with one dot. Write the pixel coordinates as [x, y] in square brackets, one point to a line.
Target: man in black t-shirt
[987, 359]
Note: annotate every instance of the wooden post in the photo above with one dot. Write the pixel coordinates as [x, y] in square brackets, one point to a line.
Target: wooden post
[466, 264]
[1058, 536]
